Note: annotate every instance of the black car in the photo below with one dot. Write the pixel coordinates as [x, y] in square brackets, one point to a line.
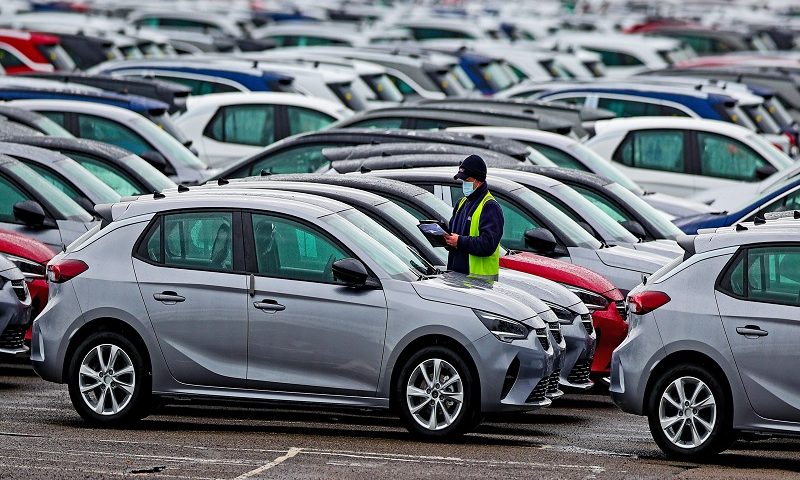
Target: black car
[303, 153]
[125, 172]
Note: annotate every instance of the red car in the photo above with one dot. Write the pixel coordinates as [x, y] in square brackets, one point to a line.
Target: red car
[23, 52]
[31, 256]
[603, 299]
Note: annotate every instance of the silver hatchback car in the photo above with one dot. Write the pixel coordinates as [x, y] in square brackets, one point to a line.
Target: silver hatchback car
[712, 346]
[277, 299]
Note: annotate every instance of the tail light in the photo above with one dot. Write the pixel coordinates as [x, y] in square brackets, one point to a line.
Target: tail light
[63, 270]
[645, 302]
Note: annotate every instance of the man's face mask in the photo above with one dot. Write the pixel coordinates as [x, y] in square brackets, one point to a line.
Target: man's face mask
[467, 188]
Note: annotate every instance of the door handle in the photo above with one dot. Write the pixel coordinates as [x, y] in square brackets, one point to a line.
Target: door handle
[269, 305]
[168, 297]
[751, 331]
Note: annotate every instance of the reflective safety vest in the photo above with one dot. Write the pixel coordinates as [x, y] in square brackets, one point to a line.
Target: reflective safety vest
[483, 267]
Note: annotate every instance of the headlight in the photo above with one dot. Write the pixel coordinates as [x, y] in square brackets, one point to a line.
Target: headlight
[565, 315]
[593, 301]
[504, 328]
[29, 268]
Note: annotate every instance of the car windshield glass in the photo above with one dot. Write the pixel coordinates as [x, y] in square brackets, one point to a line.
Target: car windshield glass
[659, 221]
[56, 55]
[65, 206]
[402, 217]
[51, 128]
[739, 117]
[614, 232]
[497, 77]
[349, 97]
[88, 182]
[166, 143]
[448, 82]
[603, 167]
[776, 157]
[763, 120]
[463, 78]
[153, 177]
[435, 203]
[165, 122]
[778, 111]
[538, 158]
[574, 233]
[385, 249]
[383, 87]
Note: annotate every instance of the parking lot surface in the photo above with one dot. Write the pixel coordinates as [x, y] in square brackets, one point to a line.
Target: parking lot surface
[580, 436]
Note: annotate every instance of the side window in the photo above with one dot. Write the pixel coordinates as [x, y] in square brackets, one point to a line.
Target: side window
[306, 41]
[604, 204]
[766, 274]
[559, 157]
[653, 150]
[243, 124]
[199, 87]
[378, 123]
[9, 195]
[56, 181]
[103, 130]
[667, 111]
[724, 157]
[572, 100]
[303, 159]
[616, 59]
[303, 120]
[404, 88]
[629, 108]
[515, 224]
[199, 240]
[289, 249]
[115, 178]
[150, 248]
[57, 117]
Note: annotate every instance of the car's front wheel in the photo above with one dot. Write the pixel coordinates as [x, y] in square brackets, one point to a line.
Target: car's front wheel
[689, 413]
[108, 381]
[435, 394]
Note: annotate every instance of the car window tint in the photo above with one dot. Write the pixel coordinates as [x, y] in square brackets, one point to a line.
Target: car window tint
[604, 204]
[559, 157]
[725, 157]
[667, 111]
[115, 178]
[401, 85]
[300, 159]
[790, 201]
[773, 275]
[104, 130]
[289, 249]
[306, 120]
[56, 181]
[9, 60]
[629, 108]
[152, 250]
[57, 117]
[572, 100]
[654, 150]
[9, 195]
[244, 124]
[378, 123]
[515, 224]
[424, 33]
[199, 240]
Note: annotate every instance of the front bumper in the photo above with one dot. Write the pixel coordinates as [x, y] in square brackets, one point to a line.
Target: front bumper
[578, 356]
[15, 317]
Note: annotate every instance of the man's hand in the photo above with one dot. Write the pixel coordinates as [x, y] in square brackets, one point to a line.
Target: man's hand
[451, 239]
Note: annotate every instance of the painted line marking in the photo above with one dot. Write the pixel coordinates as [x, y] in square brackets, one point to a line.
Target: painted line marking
[291, 453]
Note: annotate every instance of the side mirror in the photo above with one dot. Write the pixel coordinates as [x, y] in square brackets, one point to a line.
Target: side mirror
[765, 171]
[540, 240]
[635, 228]
[30, 213]
[157, 160]
[350, 271]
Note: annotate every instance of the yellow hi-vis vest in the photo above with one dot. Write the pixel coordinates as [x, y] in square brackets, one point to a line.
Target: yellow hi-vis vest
[483, 267]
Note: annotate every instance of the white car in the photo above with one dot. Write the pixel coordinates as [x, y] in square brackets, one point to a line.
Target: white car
[314, 34]
[228, 126]
[730, 197]
[566, 152]
[684, 156]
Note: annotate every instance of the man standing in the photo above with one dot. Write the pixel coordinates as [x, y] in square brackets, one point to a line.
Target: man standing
[476, 226]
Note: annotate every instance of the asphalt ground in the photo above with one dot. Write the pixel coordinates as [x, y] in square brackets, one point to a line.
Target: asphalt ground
[581, 436]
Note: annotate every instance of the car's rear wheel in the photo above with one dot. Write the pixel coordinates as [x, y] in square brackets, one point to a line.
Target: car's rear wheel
[435, 394]
[108, 381]
[689, 413]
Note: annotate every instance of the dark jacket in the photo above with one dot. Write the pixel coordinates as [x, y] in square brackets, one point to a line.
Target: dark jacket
[490, 229]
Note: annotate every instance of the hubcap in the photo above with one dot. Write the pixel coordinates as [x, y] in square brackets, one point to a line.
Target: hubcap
[435, 394]
[687, 412]
[106, 379]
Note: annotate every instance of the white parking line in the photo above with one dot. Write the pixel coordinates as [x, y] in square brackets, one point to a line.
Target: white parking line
[291, 453]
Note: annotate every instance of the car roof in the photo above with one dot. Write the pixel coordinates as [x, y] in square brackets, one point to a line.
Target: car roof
[373, 184]
[112, 111]
[413, 148]
[705, 242]
[402, 162]
[80, 145]
[526, 104]
[213, 100]
[564, 174]
[440, 174]
[643, 123]
[354, 194]
[517, 134]
[35, 154]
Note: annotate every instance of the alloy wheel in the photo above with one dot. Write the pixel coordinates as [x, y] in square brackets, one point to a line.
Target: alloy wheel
[435, 394]
[687, 412]
[106, 379]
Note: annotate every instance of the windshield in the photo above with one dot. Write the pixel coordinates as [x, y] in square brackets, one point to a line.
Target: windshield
[538, 158]
[65, 206]
[775, 156]
[463, 78]
[763, 120]
[385, 249]
[738, 117]
[383, 87]
[165, 122]
[167, 144]
[435, 203]
[402, 217]
[660, 222]
[448, 82]
[614, 232]
[153, 177]
[51, 128]
[601, 166]
[496, 76]
[88, 182]
[56, 55]
[574, 233]
[345, 93]
[778, 111]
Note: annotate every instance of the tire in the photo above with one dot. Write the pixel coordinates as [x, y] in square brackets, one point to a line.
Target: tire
[125, 393]
[690, 433]
[417, 397]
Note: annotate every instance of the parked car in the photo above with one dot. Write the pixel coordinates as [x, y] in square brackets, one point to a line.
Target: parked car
[32, 206]
[706, 352]
[125, 129]
[682, 156]
[315, 34]
[126, 173]
[32, 52]
[226, 127]
[33, 120]
[710, 41]
[395, 354]
[15, 309]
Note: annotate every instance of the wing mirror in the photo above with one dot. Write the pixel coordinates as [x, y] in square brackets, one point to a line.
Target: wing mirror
[351, 272]
[765, 171]
[158, 160]
[635, 228]
[30, 213]
[540, 240]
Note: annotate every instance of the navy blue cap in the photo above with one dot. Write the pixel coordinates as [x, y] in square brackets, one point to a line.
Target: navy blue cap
[472, 166]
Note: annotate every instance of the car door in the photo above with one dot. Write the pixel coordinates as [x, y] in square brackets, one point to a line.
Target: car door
[307, 332]
[658, 160]
[189, 268]
[238, 131]
[759, 303]
[724, 161]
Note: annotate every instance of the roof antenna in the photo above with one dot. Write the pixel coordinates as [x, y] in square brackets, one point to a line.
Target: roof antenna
[364, 169]
[158, 195]
[222, 181]
[740, 227]
[182, 188]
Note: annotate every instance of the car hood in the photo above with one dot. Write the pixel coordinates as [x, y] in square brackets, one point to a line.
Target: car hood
[494, 297]
[630, 259]
[545, 290]
[675, 206]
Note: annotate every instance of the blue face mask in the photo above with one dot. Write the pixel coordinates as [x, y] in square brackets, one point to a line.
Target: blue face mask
[467, 188]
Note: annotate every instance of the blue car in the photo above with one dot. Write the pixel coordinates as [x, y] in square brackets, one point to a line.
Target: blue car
[781, 197]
